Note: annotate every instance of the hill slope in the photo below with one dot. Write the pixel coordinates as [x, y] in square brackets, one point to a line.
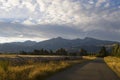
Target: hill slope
[90, 44]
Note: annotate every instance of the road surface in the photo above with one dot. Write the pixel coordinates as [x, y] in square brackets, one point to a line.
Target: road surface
[92, 70]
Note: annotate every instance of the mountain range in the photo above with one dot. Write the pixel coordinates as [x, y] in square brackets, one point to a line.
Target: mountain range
[90, 44]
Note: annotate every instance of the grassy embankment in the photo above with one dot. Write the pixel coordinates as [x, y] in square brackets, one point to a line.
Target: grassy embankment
[33, 71]
[113, 63]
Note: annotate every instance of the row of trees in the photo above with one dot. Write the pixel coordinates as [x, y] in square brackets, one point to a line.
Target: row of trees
[116, 50]
[37, 52]
[60, 51]
[82, 52]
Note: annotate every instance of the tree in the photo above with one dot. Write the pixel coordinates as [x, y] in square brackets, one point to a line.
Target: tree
[46, 52]
[61, 51]
[82, 52]
[51, 52]
[36, 52]
[23, 53]
[116, 50]
[40, 52]
[103, 52]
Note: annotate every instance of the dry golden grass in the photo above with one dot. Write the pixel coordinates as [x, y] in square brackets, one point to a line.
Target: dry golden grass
[89, 57]
[15, 55]
[31, 70]
[113, 63]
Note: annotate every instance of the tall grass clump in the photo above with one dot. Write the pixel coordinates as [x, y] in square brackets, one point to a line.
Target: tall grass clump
[4, 71]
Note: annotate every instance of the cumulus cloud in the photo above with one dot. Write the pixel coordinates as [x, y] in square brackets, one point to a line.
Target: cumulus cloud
[100, 2]
[53, 12]
[44, 11]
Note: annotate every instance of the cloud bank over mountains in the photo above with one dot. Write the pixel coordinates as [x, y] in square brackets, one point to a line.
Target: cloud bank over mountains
[43, 19]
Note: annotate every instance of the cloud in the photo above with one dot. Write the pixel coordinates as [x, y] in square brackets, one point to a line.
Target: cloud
[72, 12]
[17, 32]
[100, 2]
[43, 19]
[43, 11]
[17, 39]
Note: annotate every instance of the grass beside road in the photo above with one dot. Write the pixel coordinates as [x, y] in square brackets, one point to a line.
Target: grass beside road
[33, 71]
[113, 63]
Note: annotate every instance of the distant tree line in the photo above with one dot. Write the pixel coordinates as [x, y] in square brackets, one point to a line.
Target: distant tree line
[82, 52]
[60, 51]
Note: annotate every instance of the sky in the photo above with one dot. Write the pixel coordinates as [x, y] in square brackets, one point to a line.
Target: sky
[38, 20]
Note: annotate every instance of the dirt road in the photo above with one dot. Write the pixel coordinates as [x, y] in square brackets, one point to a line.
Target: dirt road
[92, 70]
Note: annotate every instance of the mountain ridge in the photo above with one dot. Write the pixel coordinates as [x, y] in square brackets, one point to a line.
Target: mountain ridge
[88, 43]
